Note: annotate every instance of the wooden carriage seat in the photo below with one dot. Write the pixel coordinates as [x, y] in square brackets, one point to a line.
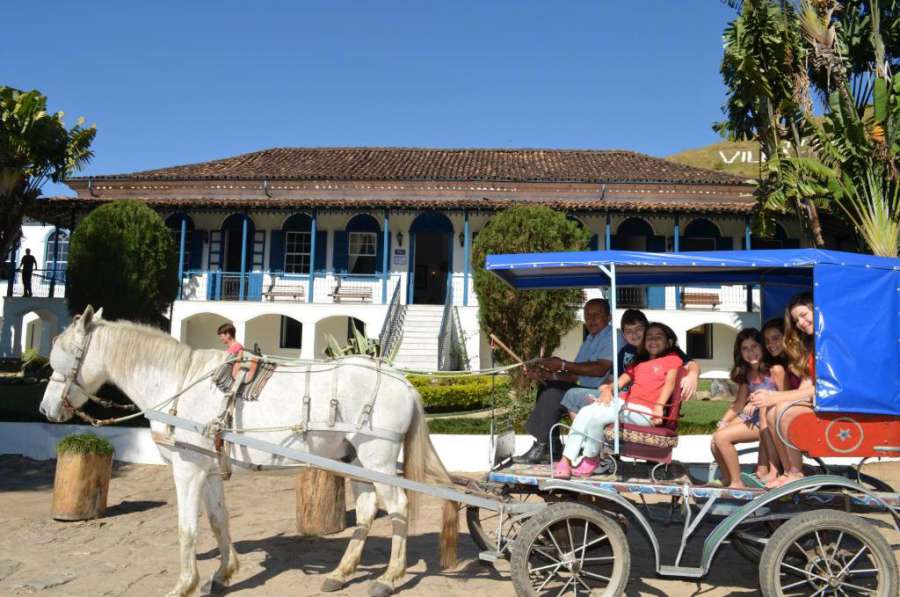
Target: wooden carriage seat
[651, 443]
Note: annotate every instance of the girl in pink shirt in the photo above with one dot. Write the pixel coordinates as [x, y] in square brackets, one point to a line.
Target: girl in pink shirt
[652, 376]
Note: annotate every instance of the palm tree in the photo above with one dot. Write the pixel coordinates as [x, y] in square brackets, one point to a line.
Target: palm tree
[35, 147]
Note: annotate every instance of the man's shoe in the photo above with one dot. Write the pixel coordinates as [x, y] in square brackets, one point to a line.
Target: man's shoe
[537, 454]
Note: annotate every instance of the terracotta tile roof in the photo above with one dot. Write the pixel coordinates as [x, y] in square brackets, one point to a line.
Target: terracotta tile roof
[416, 164]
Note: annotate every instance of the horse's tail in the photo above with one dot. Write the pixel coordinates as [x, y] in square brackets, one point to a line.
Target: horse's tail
[421, 463]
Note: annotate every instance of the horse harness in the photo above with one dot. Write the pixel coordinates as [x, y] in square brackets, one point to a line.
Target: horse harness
[362, 426]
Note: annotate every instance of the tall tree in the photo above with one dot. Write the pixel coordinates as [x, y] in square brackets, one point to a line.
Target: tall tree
[35, 146]
[843, 54]
[530, 322]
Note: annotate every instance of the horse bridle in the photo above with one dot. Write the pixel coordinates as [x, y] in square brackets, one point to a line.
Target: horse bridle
[70, 378]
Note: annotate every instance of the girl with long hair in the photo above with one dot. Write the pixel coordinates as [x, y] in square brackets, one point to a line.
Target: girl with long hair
[785, 406]
[753, 370]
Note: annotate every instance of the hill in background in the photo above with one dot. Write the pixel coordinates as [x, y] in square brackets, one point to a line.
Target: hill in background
[738, 158]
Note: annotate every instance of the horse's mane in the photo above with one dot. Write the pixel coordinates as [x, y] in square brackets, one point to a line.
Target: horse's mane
[138, 345]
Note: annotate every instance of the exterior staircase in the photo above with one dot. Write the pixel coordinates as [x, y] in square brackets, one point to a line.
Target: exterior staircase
[419, 344]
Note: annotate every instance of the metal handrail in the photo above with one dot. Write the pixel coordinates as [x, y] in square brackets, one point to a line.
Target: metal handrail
[392, 328]
[445, 341]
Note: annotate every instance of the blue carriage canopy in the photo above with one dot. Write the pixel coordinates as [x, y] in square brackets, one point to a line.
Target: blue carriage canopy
[857, 304]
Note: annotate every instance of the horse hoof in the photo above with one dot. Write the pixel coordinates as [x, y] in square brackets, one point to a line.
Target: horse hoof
[330, 585]
[380, 589]
[212, 587]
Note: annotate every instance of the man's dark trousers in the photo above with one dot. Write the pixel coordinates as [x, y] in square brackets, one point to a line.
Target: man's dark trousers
[548, 410]
[26, 282]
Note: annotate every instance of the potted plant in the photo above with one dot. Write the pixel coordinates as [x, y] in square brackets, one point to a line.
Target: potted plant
[83, 470]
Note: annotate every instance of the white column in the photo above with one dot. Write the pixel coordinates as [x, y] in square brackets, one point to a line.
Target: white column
[240, 332]
[308, 341]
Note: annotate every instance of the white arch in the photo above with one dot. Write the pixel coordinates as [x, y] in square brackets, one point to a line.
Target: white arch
[52, 313]
[199, 330]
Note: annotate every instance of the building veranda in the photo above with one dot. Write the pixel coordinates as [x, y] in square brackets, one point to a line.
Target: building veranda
[293, 245]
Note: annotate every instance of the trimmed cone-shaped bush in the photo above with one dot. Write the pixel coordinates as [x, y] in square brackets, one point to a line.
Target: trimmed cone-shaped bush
[122, 257]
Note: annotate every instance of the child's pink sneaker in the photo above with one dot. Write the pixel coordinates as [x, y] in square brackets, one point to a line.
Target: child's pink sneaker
[586, 468]
[562, 469]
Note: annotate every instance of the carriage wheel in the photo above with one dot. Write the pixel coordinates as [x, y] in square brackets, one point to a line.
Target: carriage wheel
[750, 540]
[483, 524]
[570, 548]
[828, 552]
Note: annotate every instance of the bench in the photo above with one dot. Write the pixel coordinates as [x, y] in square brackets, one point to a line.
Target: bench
[357, 293]
[295, 292]
[700, 298]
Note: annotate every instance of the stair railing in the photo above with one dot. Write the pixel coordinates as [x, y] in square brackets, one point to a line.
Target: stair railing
[451, 350]
[392, 328]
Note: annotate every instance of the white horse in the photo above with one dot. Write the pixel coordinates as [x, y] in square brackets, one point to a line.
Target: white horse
[149, 366]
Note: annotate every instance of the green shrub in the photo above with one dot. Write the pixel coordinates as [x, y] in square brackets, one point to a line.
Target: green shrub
[448, 394]
[84, 443]
[122, 258]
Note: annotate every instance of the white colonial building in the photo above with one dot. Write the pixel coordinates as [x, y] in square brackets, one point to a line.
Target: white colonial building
[294, 245]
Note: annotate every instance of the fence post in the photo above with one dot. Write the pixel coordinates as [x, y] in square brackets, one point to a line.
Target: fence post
[55, 260]
[12, 270]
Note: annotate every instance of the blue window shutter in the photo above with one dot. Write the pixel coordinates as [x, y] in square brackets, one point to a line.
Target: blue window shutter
[276, 251]
[340, 252]
[593, 244]
[724, 243]
[656, 295]
[198, 237]
[211, 285]
[254, 292]
[321, 250]
[379, 253]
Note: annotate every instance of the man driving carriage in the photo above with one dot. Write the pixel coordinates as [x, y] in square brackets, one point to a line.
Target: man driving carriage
[591, 368]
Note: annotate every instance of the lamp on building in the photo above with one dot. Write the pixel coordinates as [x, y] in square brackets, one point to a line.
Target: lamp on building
[399, 238]
[462, 239]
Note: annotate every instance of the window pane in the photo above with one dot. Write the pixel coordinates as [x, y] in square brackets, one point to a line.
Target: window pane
[361, 253]
[296, 252]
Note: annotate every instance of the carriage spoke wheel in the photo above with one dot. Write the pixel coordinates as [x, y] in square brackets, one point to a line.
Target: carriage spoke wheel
[484, 524]
[570, 549]
[827, 552]
[750, 540]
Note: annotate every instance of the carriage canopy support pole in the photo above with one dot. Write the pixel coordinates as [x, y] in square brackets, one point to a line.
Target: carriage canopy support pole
[611, 274]
[347, 470]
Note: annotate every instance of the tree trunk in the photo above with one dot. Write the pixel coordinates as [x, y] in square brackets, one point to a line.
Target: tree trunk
[81, 486]
[815, 226]
[321, 508]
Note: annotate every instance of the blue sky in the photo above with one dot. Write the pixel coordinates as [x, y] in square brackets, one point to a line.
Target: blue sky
[179, 82]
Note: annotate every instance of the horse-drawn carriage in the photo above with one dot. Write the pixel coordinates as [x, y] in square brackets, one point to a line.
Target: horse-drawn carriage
[561, 536]
[801, 534]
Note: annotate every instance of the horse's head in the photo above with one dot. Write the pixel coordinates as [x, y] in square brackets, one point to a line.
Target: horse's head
[73, 378]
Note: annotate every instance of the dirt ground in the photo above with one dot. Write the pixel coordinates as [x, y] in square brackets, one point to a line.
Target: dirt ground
[133, 550]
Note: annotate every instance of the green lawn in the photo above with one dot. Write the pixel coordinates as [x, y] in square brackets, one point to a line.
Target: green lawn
[698, 418]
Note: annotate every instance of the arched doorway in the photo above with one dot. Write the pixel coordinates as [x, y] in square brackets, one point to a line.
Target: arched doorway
[232, 248]
[431, 243]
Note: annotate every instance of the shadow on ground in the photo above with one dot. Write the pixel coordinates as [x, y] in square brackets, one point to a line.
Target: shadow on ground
[321, 555]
